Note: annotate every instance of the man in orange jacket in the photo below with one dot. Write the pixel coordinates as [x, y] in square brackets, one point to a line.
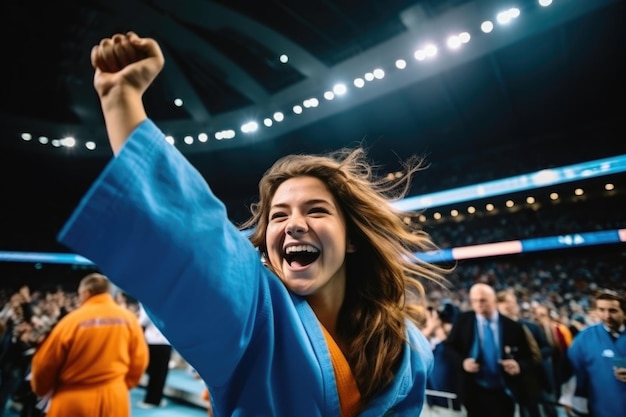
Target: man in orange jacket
[92, 357]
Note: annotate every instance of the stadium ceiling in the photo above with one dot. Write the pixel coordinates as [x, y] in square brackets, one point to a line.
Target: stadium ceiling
[223, 61]
[546, 78]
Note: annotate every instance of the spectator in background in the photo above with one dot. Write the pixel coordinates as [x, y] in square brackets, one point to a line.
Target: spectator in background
[493, 354]
[120, 298]
[92, 357]
[18, 308]
[14, 346]
[159, 364]
[444, 376]
[539, 380]
[578, 322]
[598, 358]
[559, 337]
[124, 300]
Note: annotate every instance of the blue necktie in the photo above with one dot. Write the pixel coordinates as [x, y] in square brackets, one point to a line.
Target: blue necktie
[490, 351]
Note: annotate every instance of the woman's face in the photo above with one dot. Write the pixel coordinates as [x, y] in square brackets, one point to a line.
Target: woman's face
[306, 238]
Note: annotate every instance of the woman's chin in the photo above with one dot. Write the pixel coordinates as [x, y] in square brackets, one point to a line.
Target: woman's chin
[299, 286]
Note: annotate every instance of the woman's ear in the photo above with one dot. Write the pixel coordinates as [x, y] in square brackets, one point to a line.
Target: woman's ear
[350, 247]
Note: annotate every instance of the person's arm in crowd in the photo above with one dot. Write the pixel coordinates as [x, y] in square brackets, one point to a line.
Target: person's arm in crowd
[25, 291]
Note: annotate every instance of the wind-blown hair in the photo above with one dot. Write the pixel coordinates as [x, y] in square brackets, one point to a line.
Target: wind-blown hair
[383, 274]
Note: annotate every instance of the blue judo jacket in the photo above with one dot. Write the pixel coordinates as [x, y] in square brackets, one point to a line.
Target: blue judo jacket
[591, 355]
[151, 224]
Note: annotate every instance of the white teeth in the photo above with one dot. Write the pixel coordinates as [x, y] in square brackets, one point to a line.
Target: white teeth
[301, 248]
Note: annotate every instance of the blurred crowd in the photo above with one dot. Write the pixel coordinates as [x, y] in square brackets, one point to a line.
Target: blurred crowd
[27, 315]
[556, 287]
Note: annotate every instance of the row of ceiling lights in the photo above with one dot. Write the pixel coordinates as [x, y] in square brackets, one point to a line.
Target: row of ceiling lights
[509, 204]
[427, 52]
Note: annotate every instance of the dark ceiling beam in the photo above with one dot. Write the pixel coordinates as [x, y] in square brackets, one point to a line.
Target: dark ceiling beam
[169, 29]
[212, 16]
[82, 96]
[465, 17]
[183, 89]
[171, 72]
[384, 55]
[502, 85]
[84, 102]
[452, 103]
[565, 46]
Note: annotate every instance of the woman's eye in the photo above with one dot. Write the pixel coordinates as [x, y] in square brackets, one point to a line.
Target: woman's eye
[318, 210]
[275, 216]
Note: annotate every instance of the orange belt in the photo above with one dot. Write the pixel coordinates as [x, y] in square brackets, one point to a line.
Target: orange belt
[349, 395]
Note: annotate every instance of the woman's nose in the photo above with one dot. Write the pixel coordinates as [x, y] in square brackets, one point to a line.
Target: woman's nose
[296, 225]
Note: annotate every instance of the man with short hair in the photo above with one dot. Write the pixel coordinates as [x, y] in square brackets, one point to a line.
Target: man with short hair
[92, 357]
[540, 383]
[598, 358]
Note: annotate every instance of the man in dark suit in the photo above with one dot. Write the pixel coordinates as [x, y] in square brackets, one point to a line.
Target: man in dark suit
[539, 382]
[492, 354]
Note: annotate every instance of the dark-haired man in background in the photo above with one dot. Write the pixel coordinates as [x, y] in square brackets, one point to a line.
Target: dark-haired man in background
[598, 358]
[539, 381]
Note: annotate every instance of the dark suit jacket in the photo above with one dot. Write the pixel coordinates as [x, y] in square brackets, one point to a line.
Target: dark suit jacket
[461, 339]
[545, 373]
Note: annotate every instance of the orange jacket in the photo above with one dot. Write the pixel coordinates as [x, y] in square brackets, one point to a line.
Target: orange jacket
[90, 360]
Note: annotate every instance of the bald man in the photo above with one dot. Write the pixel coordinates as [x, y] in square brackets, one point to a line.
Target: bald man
[492, 355]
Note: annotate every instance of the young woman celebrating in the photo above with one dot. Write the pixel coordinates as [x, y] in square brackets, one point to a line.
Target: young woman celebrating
[311, 315]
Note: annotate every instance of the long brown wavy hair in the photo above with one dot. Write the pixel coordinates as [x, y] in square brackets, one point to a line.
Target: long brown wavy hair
[383, 275]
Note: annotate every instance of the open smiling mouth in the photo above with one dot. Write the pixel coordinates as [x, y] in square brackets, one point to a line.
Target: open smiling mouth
[302, 255]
